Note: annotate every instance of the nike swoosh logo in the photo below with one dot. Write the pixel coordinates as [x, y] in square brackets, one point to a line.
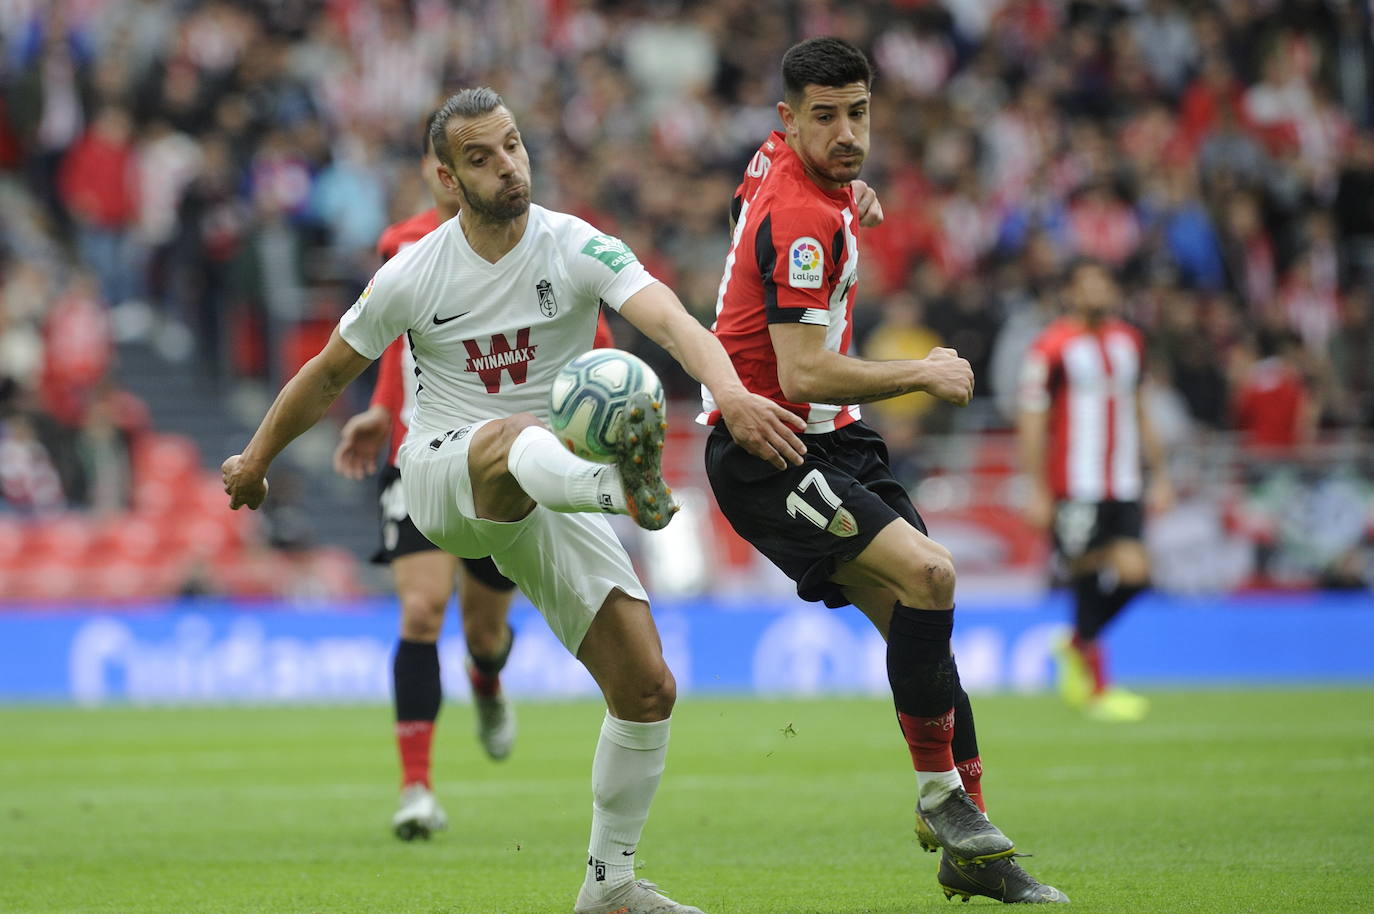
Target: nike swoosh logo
[629, 853]
[438, 320]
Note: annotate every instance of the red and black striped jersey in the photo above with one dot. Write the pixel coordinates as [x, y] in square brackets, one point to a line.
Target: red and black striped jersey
[794, 259]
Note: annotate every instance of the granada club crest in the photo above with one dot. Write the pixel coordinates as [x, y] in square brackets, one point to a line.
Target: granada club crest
[548, 305]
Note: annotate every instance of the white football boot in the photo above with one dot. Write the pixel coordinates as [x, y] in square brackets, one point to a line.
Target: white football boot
[495, 721]
[419, 815]
[638, 897]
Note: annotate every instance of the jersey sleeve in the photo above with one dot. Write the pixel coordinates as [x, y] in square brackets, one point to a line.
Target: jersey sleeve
[381, 313]
[795, 250]
[1037, 372]
[603, 268]
[390, 389]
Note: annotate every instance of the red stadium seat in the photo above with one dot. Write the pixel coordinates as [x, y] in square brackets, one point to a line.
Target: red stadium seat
[170, 458]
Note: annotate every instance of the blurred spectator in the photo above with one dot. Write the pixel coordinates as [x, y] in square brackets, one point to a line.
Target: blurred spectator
[28, 480]
[903, 333]
[1274, 409]
[98, 184]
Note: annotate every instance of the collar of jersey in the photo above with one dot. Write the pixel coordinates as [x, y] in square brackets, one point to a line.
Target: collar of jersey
[469, 254]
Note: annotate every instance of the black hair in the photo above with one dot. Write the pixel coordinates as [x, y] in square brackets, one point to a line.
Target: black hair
[1083, 262]
[830, 62]
[466, 103]
[427, 138]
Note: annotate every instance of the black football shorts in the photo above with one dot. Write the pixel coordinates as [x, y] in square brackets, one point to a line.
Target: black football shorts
[807, 519]
[400, 536]
[1081, 526]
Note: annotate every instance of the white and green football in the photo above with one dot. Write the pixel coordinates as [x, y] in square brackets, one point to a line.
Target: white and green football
[588, 398]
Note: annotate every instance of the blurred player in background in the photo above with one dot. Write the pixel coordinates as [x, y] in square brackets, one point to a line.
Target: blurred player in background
[494, 303]
[839, 524]
[1083, 428]
[423, 573]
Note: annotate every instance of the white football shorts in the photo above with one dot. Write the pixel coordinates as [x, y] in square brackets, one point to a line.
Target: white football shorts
[566, 564]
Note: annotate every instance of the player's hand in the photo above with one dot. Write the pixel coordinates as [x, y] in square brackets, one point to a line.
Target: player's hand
[948, 376]
[243, 485]
[866, 200]
[1040, 509]
[764, 429]
[1160, 497]
[360, 443]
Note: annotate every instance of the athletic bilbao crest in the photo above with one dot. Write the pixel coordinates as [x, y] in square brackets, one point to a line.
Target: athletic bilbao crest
[548, 305]
[501, 358]
[843, 523]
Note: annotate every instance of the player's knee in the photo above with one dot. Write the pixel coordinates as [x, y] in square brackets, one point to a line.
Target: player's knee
[490, 449]
[931, 586]
[1132, 566]
[422, 616]
[485, 636]
[650, 698]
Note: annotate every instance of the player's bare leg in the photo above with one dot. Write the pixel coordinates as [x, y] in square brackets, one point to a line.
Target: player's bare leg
[623, 653]
[516, 462]
[919, 573]
[489, 639]
[424, 583]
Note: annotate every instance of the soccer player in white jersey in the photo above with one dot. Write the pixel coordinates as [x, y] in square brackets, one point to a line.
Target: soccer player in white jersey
[494, 302]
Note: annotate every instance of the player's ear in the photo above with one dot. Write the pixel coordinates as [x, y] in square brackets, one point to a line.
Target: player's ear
[789, 118]
[447, 178]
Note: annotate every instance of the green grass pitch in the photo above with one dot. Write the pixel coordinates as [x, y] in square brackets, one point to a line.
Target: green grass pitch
[1221, 801]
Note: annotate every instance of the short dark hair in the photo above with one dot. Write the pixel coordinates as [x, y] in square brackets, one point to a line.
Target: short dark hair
[830, 62]
[466, 103]
[427, 139]
[1083, 262]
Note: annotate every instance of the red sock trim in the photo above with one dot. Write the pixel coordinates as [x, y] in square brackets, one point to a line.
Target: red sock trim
[1091, 652]
[971, 773]
[483, 686]
[413, 739]
[929, 738]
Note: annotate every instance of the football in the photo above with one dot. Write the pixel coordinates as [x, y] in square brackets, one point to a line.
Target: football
[588, 398]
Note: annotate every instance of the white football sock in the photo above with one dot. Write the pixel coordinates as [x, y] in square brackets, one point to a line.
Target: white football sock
[625, 773]
[560, 480]
[934, 786]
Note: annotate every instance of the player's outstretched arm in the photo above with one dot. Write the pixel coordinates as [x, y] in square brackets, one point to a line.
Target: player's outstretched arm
[297, 408]
[757, 424]
[811, 373]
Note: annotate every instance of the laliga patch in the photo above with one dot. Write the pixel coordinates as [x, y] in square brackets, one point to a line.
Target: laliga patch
[362, 299]
[805, 264]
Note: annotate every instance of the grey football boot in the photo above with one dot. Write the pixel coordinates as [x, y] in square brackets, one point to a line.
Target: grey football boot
[639, 457]
[960, 827]
[1001, 879]
[638, 897]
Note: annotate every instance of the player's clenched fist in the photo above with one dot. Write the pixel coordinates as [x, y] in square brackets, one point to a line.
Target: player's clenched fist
[243, 485]
[948, 376]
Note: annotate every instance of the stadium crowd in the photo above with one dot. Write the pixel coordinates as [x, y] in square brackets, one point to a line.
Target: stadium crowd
[214, 175]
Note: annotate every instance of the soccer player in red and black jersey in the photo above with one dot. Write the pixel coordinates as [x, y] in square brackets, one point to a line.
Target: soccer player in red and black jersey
[1084, 429]
[424, 574]
[839, 524]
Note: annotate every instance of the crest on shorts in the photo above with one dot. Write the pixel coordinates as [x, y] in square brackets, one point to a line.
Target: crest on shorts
[548, 305]
[843, 523]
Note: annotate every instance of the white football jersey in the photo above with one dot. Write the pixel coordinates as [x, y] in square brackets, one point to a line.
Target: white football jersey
[488, 338]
